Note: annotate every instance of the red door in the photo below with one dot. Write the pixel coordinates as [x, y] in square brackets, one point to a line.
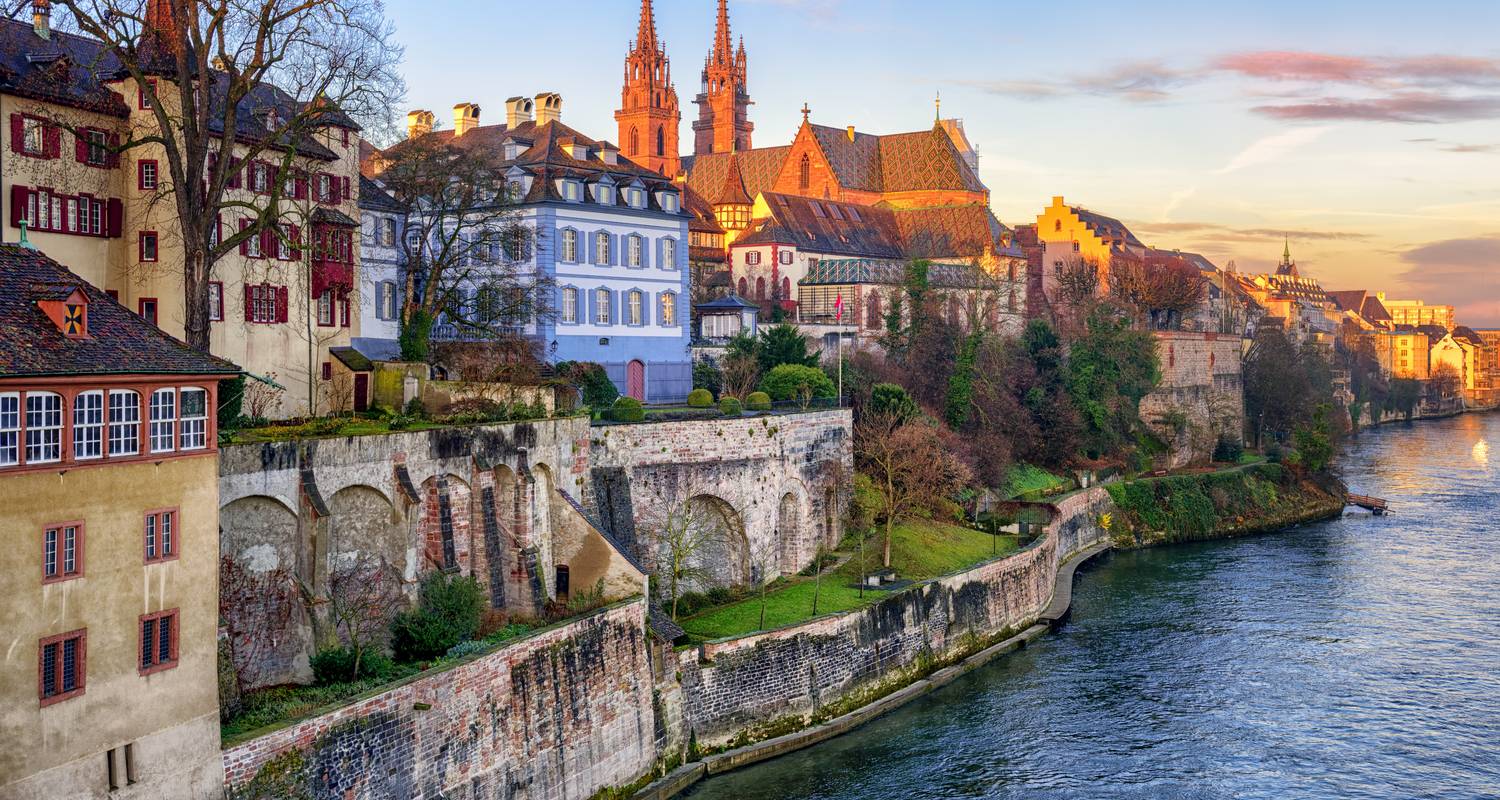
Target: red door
[361, 391]
[635, 380]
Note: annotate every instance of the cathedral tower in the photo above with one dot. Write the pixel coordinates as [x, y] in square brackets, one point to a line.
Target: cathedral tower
[724, 103]
[649, 115]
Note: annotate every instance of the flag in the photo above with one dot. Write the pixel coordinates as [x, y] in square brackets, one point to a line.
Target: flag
[838, 308]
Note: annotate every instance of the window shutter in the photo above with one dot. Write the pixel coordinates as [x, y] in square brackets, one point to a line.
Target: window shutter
[17, 133]
[249, 304]
[347, 192]
[593, 245]
[299, 186]
[616, 244]
[281, 314]
[295, 234]
[52, 140]
[112, 158]
[116, 214]
[17, 204]
[267, 240]
[81, 146]
[245, 243]
[234, 173]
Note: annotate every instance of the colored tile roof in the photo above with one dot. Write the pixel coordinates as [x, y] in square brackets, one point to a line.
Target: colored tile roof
[924, 160]
[120, 342]
[885, 272]
[758, 169]
[851, 229]
[954, 231]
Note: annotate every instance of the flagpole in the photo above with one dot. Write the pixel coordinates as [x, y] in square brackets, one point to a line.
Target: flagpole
[839, 318]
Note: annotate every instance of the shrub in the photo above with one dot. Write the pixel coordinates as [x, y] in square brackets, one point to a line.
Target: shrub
[790, 381]
[627, 409]
[1229, 449]
[336, 665]
[700, 398]
[592, 381]
[231, 400]
[730, 406]
[758, 401]
[448, 613]
[890, 398]
[414, 408]
[707, 375]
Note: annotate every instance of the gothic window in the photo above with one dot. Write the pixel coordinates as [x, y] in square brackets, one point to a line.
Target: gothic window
[804, 176]
[744, 287]
[760, 288]
[661, 141]
[635, 142]
[1057, 226]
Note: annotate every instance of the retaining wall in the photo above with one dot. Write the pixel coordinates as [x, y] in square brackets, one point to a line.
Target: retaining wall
[555, 716]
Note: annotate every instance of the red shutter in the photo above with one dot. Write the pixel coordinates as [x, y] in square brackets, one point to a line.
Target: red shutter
[116, 214]
[345, 180]
[234, 173]
[112, 158]
[296, 236]
[52, 140]
[17, 204]
[244, 243]
[17, 133]
[281, 304]
[267, 241]
[299, 186]
[81, 146]
[249, 304]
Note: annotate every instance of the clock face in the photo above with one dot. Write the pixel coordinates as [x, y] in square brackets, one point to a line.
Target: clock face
[73, 319]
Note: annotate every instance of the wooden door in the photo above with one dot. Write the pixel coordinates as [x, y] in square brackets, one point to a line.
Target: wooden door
[635, 380]
[361, 391]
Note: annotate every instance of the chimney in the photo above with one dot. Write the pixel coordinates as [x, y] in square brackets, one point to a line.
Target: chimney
[41, 18]
[465, 118]
[418, 123]
[517, 111]
[851, 133]
[1057, 202]
[548, 107]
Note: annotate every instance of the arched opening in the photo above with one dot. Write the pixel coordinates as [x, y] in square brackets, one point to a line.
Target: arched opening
[789, 534]
[709, 541]
[260, 545]
[661, 141]
[365, 525]
[635, 380]
[744, 288]
[873, 318]
[635, 142]
[543, 490]
[804, 173]
[446, 526]
[760, 288]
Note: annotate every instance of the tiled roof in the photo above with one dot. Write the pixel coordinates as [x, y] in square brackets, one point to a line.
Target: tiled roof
[924, 160]
[851, 229]
[1106, 227]
[120, 342]
[953, 231]
[703, 219]
[886, 272]
[374, 198]
[1468, 334]
[1361, 302]
[856, 163]
[758, 169]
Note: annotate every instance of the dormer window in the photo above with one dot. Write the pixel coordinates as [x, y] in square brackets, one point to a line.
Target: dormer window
[69, 312]
[604, 194]
[636, 198]
[668, 201]
[570, 190]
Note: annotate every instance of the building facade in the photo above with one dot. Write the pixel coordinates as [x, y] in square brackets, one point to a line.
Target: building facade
[274, 308]
[109, 468]
[1417, 313]
[381, 283]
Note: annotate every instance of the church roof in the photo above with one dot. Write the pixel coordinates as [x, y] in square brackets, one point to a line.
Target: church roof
[757, 169]
[886, 272]
[835, 228]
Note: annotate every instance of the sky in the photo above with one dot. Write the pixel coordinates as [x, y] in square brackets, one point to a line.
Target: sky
[1366, 132]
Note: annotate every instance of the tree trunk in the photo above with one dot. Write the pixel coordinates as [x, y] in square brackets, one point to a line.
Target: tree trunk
[890, 523]
[194, 290]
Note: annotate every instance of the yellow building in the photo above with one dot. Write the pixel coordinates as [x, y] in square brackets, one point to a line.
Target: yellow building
[110, 216]
[1071, 235]
[1417, 313]
[1402, 354]
[109, 470]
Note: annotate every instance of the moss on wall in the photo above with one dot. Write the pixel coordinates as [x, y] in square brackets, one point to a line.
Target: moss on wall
[1183, 508]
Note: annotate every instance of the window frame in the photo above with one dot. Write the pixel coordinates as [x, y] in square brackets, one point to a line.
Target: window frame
[62, 407]
[142, 168]
[635, 305]
[668, 310]
[568, 312]
[568, 250]
[602, 241]
[158, 664]
[80, 666]
[11, 434]
[141, 304]
[154, 253]
[111, 425]
[60, 574]
[170, 435]
[215, 301]
[199, 428]
[602, 302]
[635, 251]
[167, 542]
[96, 427]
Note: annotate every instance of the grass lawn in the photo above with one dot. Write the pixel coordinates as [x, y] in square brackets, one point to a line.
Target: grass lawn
[1025, 478]
[920, 549]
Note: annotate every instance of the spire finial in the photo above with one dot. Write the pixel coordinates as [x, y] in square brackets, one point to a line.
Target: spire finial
[1286, 253]
[805, 112]
[939, 103]
[723, 44]
[645, 38]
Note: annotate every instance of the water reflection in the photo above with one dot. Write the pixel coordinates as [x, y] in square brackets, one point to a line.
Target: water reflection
[1356, 658]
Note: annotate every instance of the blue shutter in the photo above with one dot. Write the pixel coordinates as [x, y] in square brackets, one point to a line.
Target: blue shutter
[592, 246]
[589, 307]
[616, 246]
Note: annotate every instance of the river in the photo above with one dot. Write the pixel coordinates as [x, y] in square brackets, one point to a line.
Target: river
[1357, 658]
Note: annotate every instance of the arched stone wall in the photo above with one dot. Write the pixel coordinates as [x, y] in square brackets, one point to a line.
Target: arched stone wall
[363, 522]
[446, 526]
[791, 533]
[260, 566]
[723, 558]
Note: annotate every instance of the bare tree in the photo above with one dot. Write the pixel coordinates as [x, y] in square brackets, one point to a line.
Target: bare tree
[910, 465]
[466, 247]
[684, 536]
[363, 596]
[254, 609]
[1159, 290]
[273, 79]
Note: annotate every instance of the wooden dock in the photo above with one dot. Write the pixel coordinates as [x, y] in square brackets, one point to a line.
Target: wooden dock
[1375, 504]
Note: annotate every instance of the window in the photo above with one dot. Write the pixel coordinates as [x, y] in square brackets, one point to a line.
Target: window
[148, 246]
[752, 258]
[260, 177]
[141, 102]
[570, 306]
[570, 191]
[88, 425]
[96, 152]
[601, 303]
[146, 307]
[33, 136]
[570, 246]
[669, 253]
[10, 429]
[634, 252]
[386, 303]
[124, 423]
[804, 173]
[158, 641]
[60, 667]
[786, 257]
[163, 420]
[251, 245]
[43, 427]
[760, 288]
[194, 418]
[262, 303]
[215, 300]
[601, 247]
[668, 308]
[145, 177]
[62, 552]
[388, 232]
[635, 308]
[161, 535]
[325, 308]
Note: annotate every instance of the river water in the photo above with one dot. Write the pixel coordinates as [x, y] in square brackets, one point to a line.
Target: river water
[1357, 658]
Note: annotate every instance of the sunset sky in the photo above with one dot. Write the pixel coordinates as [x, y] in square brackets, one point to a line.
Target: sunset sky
[1369, 132]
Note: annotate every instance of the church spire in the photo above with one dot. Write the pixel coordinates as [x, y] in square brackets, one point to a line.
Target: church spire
[648, 116]
[645, 38]
[723, 44]
[723, 124]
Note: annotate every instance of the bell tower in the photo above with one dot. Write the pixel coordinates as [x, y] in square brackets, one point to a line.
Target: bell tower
[649, 114]
[723, 124]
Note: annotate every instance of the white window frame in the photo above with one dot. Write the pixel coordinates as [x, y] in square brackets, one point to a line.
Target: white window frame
[215, 301]
[669, 308]
[98, 145]
[162, 433]
[44, 425]
[10, 429]
[88, 425]
[601, 310]
[752, 258]
[634, 304]
[569, 246]
[601, 248]
[124, 422]
[252, 246]
[669, 253]
[636, 247]
[570, 305]
[325, 309]
[33, 132]
[192, 430]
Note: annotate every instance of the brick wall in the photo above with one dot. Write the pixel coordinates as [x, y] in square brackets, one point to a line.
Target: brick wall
[734, 685]
[1200, 378]
[553, 717]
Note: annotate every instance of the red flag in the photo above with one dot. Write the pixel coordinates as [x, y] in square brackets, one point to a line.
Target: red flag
[838, 308]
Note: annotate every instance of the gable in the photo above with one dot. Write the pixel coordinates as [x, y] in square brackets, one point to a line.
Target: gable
[821, 179]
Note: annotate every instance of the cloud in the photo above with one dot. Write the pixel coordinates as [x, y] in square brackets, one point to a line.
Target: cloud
[1471, 148]
[1217, 232]
[1461, 272]
[1272, 148]
[1137, 81]
[1411, 107]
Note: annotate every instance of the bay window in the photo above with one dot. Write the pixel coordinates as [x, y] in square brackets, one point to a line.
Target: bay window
[44, 411]
[163, 433]
[88, 425]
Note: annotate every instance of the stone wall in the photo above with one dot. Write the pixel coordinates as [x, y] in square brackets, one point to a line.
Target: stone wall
[1200, 397]
[501, 503]
[737, 687]
[775, 483]
[555, 716]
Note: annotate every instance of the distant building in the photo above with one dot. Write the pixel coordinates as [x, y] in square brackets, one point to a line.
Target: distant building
[109, 470]
[1417, 312]
[1072, 236]
[381, 284]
